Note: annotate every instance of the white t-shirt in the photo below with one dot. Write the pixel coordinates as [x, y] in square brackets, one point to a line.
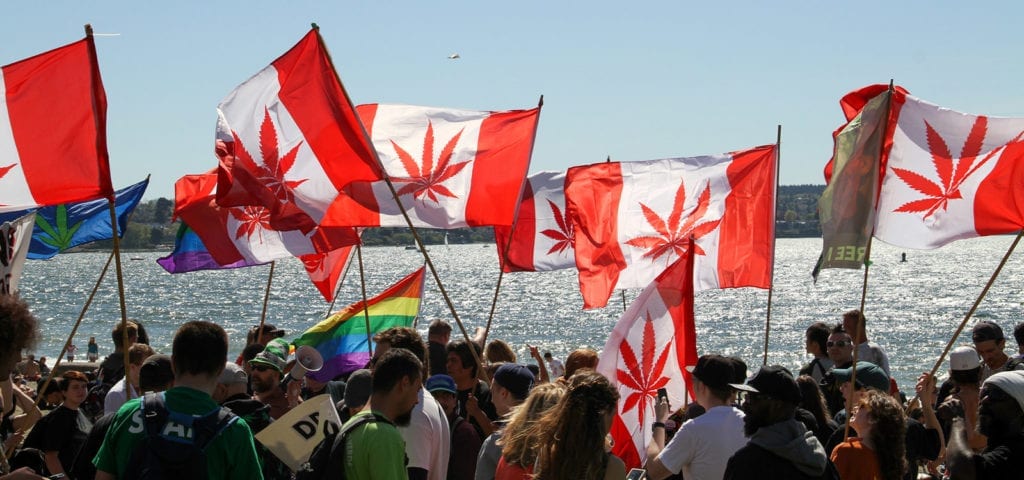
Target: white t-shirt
[871, 352]
[117, 396]
[427, 438]
[702, 446]
[556, 368]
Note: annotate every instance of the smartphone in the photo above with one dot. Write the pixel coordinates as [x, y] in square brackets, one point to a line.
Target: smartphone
[662, 393]
[60, 476]
[636, 474]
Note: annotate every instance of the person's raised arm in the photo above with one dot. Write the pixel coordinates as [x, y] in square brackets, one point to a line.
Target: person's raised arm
[655, 469]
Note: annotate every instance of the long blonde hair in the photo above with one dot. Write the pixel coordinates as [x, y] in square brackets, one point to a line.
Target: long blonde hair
[571, 435]
[518, 446]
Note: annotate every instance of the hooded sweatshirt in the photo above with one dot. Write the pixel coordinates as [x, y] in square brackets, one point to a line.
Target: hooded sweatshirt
[791, 441]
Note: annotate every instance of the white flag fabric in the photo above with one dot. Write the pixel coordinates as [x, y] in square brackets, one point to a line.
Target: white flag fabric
[15, 237]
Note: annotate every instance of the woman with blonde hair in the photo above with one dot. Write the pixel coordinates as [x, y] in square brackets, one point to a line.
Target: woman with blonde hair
[878, 451]
[518, 447]
[571, 436]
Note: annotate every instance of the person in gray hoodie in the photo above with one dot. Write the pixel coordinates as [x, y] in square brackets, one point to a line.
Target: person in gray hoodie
[780, 447]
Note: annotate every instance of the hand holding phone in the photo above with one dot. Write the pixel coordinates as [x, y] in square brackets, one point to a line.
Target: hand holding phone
[636, 474]
[662, 394]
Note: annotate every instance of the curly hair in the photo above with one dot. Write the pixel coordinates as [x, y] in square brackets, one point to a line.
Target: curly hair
[888, 435]
[18, 327]
[518, 447]
[571, 436]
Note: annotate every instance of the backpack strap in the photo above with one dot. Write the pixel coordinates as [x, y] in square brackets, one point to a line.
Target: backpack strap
[337, 450]
[205, 428]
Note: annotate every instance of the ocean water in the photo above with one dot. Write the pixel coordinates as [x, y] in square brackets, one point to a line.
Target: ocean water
[912, 308]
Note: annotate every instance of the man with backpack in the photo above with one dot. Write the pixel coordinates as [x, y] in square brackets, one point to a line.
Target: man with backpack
[182, 433]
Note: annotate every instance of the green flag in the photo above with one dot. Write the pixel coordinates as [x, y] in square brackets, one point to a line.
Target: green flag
[847, 206]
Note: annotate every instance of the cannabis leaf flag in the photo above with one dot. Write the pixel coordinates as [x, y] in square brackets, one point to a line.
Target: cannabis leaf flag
[233, 234]
[949, 176]
[64, 226]
[633, 219]
[649, 348]
[190, 254]
[451, 168]
[53, 140]
[288, 139]
[341, 338]
[543, 235]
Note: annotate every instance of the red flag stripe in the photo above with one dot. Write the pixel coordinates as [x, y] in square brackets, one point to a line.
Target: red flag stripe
[72, 142]
[499, 170]
[747, 231]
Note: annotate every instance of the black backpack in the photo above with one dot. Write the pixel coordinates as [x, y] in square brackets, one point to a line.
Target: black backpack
[327, 462]
[160, 456]
[92, 407]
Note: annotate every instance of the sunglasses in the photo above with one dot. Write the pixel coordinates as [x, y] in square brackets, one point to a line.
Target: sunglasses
[260, 368]
[838, 343]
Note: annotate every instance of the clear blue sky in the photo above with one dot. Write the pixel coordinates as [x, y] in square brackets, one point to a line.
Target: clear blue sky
[633, 80]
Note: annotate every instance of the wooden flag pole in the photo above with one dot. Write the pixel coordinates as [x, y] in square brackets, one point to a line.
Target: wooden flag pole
[511, 235]
[120, 280]
[74, 329]
[867, 267]
[970, 313]
[266, 299]
[366, 308]
[771, 285]
[337, 291]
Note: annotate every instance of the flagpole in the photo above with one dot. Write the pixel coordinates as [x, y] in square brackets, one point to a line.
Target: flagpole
[970, 313]
[623, 292]
[266, 299]
[867, 266]
[405, 215]
[771, 285]
[74, 329]
[366, 307]
[511, 234]
[337, 291]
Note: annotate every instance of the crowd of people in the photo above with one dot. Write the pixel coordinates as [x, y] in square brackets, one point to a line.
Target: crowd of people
[464, 410]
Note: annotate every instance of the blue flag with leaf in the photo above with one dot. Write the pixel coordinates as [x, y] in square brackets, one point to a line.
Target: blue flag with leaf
[61, 227]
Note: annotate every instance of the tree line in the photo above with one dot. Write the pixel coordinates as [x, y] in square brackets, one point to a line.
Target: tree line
[151, 228]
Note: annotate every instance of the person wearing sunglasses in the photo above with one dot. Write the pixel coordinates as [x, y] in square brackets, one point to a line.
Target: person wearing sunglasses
[840, 350]
[1001, 419]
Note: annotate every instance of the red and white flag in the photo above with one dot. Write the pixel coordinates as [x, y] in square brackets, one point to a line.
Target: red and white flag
[650, 348]
[325, 269]
[451, 168]
[543, 232]
[950, 175]
[633, 219]
[53, 117]
[289, 139]
[244, 233]
[15, 237]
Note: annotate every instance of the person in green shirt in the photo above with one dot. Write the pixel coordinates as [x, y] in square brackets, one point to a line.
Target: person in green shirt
[375, 450]
[198, 354]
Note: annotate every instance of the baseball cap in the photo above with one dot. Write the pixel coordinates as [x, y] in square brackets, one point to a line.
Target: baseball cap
[155, 372]
[275, 355]
[714, 370]
[868, 374]
[441, 383]
[269, 332]
[515, 378]
[964, 358]
[358, 388]
[232, 374]
[774, 381]
[986, 330]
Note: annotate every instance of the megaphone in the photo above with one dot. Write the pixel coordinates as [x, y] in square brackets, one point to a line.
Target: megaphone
[307, 359]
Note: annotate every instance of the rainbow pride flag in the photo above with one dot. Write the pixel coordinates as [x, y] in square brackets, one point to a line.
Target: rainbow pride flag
[341, 338]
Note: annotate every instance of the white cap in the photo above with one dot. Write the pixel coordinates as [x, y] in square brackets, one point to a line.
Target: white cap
[964, 358]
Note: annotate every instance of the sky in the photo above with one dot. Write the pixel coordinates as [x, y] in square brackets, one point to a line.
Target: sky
[629, 81]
